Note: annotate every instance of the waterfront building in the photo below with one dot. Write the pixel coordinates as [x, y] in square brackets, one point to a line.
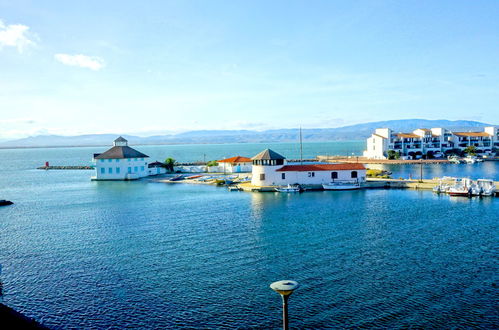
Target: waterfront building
[434, 142]
[272, 169]
[237, 164]
[156, 168]
[120, 162]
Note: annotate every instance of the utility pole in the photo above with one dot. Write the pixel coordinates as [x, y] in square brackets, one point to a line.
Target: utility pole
[301, 149]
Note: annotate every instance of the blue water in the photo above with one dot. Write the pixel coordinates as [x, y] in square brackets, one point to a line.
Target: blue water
[76, 253]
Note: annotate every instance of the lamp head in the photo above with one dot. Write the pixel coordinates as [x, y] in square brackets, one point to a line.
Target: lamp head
[284, 287]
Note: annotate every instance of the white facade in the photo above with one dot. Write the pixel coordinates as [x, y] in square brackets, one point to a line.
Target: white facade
[121, 168]
[435, 141]
[265, 175]
[120, 163]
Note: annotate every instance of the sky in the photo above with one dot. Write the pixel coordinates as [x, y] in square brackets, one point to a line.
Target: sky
[152, 67]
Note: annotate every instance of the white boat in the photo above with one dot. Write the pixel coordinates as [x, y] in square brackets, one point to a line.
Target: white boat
[288, 189]
[441, 188]
[341, 185]
[454, 159]
[470, 159]
[485, 187]
[462, 187]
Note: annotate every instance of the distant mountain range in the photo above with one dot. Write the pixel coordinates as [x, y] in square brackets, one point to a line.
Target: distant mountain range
[353, 132]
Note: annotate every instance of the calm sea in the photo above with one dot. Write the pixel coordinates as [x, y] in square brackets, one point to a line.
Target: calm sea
[82, 254]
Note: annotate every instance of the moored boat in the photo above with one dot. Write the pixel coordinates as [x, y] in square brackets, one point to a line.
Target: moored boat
[462, 187]
[341, 185]
[177, 177]
[470, 159]
[486, 187]
[441, 188]
[288, 189]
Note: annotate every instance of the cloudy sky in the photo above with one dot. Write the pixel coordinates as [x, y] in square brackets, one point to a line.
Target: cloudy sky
[146, 67]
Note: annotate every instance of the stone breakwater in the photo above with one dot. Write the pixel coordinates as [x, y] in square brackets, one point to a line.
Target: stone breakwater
[65, 168]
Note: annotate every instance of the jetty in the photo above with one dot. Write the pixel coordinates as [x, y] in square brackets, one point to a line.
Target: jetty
[66, 167]
[371, 183]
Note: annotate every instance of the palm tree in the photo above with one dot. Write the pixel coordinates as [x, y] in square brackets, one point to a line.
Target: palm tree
[169, 163]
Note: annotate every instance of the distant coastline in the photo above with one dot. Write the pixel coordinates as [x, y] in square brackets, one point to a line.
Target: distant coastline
[345, 133]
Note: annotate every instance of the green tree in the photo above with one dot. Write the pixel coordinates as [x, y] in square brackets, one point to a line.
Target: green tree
[169, 164]
[471, 150]
[212, 163]
[392, 154]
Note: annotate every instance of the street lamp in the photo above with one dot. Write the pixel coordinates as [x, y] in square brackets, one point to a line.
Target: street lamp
[285, 288]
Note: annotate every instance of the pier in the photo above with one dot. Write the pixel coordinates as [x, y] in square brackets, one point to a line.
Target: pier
[70, 167]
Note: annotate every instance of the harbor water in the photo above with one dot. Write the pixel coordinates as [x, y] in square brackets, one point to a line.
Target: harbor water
[77, 253]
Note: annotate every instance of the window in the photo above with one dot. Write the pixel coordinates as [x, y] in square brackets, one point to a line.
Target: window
[117, 160]
[110, 170]
[283, 176]
[135, 169]
[102, 160]
[142, 159]
[262, 176]
[102, 170]
[142, 168]
[118, 170]
[311, 174]
[129, 170]
[354, 174]
[109, 160]
[334, 175]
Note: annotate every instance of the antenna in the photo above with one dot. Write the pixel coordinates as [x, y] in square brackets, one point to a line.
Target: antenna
[301, 149]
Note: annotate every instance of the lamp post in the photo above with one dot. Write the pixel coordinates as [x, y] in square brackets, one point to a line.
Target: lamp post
[285, 288]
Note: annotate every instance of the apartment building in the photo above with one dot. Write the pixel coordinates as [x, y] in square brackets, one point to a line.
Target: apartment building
[430, 142]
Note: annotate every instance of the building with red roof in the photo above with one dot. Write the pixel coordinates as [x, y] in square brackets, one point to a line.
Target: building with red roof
[272, 169]
[237, 164]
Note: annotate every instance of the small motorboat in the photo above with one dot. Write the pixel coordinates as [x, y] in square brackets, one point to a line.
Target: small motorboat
[470, 159]
[193, 177]
[289, 188]
[462, 187]
[177, 177]
[441, 188]
[4, 202]
[341, 185]
[485, 187]
[234, 188]
[454, 160]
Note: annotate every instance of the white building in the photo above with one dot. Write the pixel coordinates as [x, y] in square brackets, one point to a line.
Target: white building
[429, 142]
[271, 169]
[156, 168]
[120, 163]
[237, 164]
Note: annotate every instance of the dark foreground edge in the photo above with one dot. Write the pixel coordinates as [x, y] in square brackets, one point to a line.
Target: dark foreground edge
[10, 319]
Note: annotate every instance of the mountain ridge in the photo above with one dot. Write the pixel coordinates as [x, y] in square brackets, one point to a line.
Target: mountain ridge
[351, 132]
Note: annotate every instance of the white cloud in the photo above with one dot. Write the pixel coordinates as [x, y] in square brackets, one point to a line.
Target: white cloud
[15, 35]
[83, 61]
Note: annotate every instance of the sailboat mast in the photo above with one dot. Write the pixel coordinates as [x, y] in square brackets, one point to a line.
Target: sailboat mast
[301, 149]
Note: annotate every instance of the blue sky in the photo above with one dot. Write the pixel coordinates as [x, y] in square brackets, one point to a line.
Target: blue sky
[147, 67]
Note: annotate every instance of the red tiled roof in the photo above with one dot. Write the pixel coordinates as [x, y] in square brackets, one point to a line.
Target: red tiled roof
[407, 135]
[379, 136]
[321, 167]
[237, 159]
[471, 134]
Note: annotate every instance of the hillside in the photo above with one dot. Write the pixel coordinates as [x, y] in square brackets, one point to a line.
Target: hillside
[353, 132]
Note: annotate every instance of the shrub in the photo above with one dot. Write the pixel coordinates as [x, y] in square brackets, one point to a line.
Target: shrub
[212, 163]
